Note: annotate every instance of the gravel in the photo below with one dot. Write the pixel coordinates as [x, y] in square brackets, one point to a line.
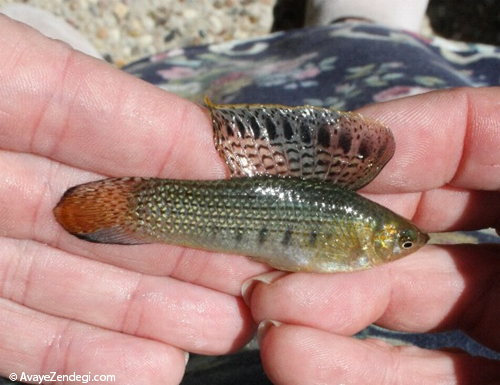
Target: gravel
[126, 30]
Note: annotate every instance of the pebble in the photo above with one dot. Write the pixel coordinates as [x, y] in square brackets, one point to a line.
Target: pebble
[216, 26]
[145, 41]
[190, 14]
[121, 10]
[127, 30]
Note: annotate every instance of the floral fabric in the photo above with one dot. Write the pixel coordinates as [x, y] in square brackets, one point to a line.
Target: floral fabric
[343, 65]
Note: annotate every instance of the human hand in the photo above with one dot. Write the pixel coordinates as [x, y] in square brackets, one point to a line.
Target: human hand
[446, 176]
[70, 306]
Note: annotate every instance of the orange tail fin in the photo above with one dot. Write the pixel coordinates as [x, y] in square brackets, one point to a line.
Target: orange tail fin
[101, 211]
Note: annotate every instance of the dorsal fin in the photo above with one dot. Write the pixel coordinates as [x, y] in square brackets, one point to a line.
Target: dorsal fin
[307, 142]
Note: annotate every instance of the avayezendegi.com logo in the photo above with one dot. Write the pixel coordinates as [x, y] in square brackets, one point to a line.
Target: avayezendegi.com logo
[53, 376]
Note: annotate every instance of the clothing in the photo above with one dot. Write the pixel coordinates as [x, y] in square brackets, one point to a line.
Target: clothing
[344, 65]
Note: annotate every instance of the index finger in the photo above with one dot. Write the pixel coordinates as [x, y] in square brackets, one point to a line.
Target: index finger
[443, 138]
[445, 173]
[61, 104]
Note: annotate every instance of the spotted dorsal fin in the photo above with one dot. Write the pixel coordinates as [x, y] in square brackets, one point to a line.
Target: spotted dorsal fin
[307, 142]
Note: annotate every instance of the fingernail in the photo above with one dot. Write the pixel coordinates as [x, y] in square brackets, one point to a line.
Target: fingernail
[264, 326]
[186, 358]
[249, 284]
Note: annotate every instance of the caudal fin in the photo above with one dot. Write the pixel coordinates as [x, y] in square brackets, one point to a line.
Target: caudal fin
[101, 211]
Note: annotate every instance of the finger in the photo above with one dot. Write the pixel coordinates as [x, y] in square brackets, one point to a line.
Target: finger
[453, 209]
[52, 344]
[446, 145]
[437, 288]
[442, 138]
[61, 104]
[461, 292]
[162, 309]
[445, 208]
[301, 355]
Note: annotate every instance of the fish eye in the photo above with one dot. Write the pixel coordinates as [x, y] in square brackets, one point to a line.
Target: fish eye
[407, 239]
[407, 245]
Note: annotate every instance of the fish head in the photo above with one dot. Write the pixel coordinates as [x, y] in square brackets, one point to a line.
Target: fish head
[408, 240]
[397, 239]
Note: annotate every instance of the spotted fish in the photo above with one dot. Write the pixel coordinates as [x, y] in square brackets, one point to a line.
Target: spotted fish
[291, 202]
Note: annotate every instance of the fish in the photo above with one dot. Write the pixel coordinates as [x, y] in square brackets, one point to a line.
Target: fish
[291, 201]
[291, 224]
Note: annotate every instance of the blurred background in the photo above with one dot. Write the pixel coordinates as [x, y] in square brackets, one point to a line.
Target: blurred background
[126, 30]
